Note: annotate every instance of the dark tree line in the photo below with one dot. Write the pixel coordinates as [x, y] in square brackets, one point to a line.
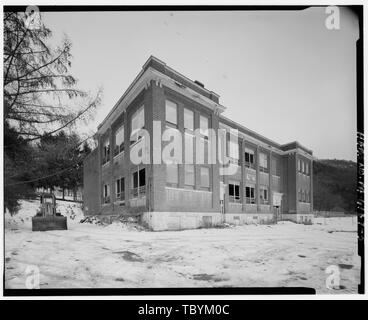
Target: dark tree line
[42, 106]
[335, 185]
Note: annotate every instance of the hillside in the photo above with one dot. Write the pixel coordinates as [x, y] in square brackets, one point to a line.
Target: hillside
[334, 185]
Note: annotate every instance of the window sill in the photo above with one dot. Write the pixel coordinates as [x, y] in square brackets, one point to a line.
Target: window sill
[119, 155]
[106, 164]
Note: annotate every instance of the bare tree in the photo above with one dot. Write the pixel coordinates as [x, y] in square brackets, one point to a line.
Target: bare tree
[39, 92]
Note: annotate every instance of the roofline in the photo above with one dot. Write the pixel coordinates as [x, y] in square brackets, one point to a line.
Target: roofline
[144, 68]
[253, 132]
[179, 74]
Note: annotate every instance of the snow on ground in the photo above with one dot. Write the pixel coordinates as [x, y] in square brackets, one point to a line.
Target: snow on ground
[96, 256]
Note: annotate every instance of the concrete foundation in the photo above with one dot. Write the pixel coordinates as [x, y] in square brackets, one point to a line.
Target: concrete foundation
[160, 221]
[306, 218]
[249, 218]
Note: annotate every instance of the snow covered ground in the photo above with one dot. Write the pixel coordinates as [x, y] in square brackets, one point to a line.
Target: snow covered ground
[96, 256]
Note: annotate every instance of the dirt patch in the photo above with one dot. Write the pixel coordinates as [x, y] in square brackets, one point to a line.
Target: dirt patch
[345, 266]
[301, 256]
[7, 259]
[119, 279]
[207, 277]
[168, 259]
[130, 256]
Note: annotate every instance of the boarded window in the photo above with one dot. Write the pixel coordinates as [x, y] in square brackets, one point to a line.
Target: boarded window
[189, 178]
[203, 125]
[172, 173]
[171, 112]
[119, 140]
[189, 147]
[188, 119]
[263, 162]
[137, 123]
[205, 177]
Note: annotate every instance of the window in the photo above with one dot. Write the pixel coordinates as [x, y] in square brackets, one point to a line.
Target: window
[106, 194]
[120, 189]
[276, 167]
[234, 193]
[233, 151]
[249, 158]
[300, 195]
[119, 141]
[106, 151]
[203, 126]
[139, 183]
[299, 165]
[189, 147]
[303, 167]
[307, 169]
[263, 162]
[263, 197]
[188, 119]
[137, 123]
[189, 178]
[172, 174]
[205, 177]
[171, 113]
[250, 195]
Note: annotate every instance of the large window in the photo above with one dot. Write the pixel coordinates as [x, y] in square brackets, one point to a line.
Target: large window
[249, 158]
[139, 183]
[120, 189]
[250, 195]
[188, 136]
[188, 119]
[119, 141]
[106, 193]
[203, 126]
[172, 174]
[276, 169]
[189, 147]
[205, 177]
[307, 168]
[263, 162]
[234, 191]
[106, 151]
[303, 196]
[263, 197]
[171, 113]
[189, 178]
[137, 123]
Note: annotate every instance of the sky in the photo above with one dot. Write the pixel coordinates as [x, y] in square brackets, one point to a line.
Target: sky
[282, 74]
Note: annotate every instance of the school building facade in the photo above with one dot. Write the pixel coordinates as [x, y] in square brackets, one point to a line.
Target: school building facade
[270, 181]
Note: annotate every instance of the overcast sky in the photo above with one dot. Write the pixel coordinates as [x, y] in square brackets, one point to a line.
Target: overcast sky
[281, 74]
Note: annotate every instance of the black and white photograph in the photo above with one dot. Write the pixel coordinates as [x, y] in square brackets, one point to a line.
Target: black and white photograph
[183, 148]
